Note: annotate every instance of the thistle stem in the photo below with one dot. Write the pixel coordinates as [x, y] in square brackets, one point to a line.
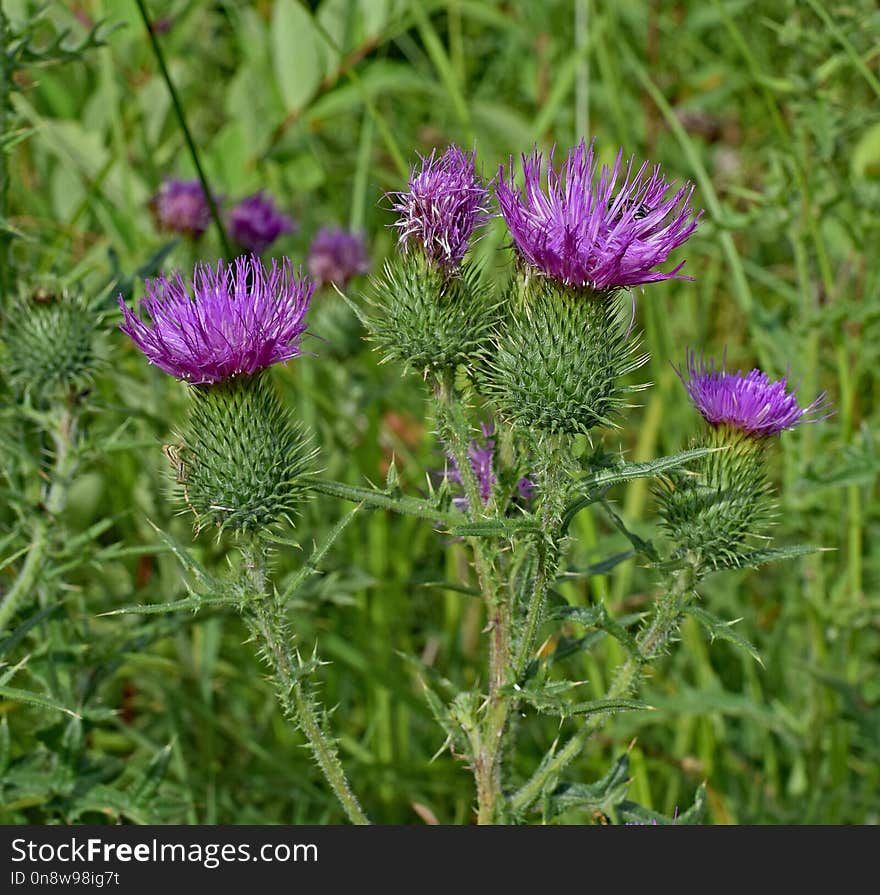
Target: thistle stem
[552, 483]
[181, 119]
[655, 635]
[64, 436]
[267, 623]
[489, 752]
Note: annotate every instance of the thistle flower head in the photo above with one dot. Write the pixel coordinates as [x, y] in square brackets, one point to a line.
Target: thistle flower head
[601, 229]
[445, 202]
[180, 207]
[750, 402]
[228, 320]
[336, 255]
[255, 223]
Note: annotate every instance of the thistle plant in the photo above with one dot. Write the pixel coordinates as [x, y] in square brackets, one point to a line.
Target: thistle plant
[242, 462]
[547, 359]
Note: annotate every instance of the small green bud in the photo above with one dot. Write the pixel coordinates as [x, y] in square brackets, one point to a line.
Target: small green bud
[49, 339]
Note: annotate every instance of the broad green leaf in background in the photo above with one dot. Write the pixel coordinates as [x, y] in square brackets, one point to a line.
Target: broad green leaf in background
[297, 54]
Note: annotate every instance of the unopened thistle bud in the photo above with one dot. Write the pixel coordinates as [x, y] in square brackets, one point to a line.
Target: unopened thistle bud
[50, 339]
[713, 512]
[241, 460]
[564, 343]
[428, 309]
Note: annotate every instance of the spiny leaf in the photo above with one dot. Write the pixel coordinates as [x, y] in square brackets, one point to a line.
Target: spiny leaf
[603, 795]
[721, 630]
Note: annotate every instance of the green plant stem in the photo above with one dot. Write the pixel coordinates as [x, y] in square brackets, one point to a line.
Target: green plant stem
[655, 635]
[266, 620]
[488, 756]
[181, 118]
[64, 436]
[6, 69]
[551, 481]
[407, 506]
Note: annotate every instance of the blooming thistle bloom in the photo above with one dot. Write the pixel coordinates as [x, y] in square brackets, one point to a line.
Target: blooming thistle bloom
[255, 223]
[180, 207]
[445, 202]
[750, 402]
[586, 229]
[226, 321]
[336, 255]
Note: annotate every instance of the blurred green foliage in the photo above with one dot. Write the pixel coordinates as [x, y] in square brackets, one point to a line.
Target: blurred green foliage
[771, 107]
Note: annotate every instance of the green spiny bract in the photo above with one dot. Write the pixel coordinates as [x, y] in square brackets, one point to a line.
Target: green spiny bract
[242, 460]
[712, 512]
[49, 338]
[558, 358]
[428, 318]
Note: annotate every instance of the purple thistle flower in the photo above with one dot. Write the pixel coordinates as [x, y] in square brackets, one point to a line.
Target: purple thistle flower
[336, 255]
[445, 202]
[180, 206]
[525, 488]
[255, 223]
[587, 229]
[749, 402]
[225, 322]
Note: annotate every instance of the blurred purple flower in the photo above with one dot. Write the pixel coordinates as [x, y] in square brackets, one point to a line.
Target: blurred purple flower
[482, 458]
[180, 207]
[336, 255]
[255, 223]
[749, 402]
[587, 230]
[227, 321]
[445, 202]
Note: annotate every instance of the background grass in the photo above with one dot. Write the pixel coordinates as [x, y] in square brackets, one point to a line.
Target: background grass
[772, 108]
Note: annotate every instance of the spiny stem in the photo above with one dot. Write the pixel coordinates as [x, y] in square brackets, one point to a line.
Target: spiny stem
[181, 118]
[488, 755]
[64, 436]
[266, 621]
[551, 481]
[655, 635]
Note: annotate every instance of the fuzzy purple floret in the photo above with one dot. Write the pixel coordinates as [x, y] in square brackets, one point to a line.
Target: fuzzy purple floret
[750, 402]
[180, 206]
[601, 229]
[255, 223]
[482, 459]
[445, 202]
[335, 256]
[229, 320]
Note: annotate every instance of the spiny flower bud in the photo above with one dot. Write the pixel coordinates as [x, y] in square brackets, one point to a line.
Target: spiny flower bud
[715, 511]
[50, 339]
[241, 461]
[429, 311]
[558, 358]
[585, 229]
